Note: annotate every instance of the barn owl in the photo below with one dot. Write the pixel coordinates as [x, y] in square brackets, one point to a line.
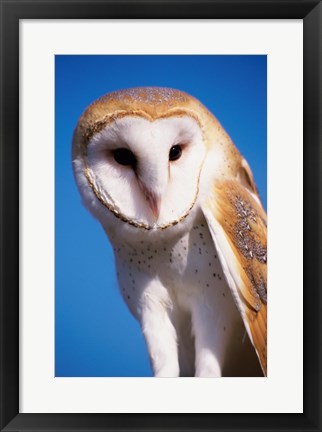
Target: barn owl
[180, 207]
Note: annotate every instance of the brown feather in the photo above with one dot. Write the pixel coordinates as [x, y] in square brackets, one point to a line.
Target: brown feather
[151, 103]
[244, 223]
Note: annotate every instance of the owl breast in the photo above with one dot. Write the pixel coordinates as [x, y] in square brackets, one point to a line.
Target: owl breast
[191, 285]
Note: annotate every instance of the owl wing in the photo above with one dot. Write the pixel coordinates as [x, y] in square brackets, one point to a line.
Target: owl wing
[237, 224]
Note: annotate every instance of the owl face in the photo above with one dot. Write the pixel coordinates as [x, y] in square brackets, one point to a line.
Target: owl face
[146, 172]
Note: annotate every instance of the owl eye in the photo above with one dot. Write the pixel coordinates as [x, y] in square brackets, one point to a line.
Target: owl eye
[125, 157]
[175, 152]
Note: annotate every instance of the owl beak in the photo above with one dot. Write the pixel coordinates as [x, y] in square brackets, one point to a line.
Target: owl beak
[154, 203]
[153, 199]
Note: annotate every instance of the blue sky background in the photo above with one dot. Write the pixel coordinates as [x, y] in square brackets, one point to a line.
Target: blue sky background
[95, 334]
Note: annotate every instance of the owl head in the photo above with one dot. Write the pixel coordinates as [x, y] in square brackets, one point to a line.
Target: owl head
[143, 157]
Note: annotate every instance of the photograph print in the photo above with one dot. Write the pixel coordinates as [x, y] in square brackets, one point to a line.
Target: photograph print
[160, 216]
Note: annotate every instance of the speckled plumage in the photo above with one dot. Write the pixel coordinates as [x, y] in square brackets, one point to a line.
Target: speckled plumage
[189, 236]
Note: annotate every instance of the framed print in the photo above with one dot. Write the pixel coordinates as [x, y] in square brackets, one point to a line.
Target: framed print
[72, 356]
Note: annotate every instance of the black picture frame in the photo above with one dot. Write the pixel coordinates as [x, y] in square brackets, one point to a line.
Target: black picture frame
[11, 12]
